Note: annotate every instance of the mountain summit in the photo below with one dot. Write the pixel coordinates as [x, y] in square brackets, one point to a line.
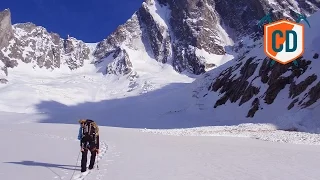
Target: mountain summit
[216, 41]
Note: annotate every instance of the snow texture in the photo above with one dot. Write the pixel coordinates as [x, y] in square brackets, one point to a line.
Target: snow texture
[149, 156]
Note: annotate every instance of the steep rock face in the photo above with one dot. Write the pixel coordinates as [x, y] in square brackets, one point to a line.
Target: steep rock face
[121, 63]
[255, 91]
[74, 52]
[195, 24]
[124, 35]
[174, 30]
[6, 32]
[171, 32]
[241, 16]
[252, 80]
[3, 73]
[157, 35]
[310, 6]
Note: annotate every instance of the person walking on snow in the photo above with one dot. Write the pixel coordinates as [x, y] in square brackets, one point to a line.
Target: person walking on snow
[89, 141]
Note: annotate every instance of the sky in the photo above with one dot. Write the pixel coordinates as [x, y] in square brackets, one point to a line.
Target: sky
[90, 21]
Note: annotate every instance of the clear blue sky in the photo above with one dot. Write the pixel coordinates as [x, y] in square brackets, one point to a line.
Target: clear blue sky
[88, 20]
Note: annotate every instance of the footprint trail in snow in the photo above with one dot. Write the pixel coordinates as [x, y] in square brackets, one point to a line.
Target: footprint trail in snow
[82, 176]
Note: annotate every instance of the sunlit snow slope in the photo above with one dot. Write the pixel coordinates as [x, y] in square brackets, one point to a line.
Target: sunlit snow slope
[37, 151]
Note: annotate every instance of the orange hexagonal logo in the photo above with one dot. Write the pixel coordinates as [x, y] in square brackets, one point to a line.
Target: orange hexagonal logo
[284, 41]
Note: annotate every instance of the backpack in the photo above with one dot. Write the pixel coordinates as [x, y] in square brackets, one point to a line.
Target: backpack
[89, 131]
[90, 128]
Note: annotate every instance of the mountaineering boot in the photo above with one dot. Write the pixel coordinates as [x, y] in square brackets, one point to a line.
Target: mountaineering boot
[92, 159]
[84, 160]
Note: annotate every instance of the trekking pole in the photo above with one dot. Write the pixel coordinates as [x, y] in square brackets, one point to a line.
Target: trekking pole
[97, 163]
[74, 170]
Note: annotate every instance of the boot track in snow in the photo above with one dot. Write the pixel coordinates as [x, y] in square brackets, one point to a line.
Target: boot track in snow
[83, 175]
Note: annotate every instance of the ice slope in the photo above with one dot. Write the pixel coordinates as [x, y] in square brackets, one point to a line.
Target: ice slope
[37, 151]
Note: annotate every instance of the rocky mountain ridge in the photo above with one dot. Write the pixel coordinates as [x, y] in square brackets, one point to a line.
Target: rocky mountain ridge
[28, 43]
[191, 36]
[171, 31]
[251, 88]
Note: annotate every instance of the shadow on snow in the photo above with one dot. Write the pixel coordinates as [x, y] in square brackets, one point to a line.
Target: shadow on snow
[170, 107]
[162, 108]
[49, 166]
[46, 165]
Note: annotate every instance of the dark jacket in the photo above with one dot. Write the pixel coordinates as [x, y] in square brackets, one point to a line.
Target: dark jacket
[93, 144]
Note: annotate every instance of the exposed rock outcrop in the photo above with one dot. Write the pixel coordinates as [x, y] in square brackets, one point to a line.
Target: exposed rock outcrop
[28, 43]
[6, 32]
[171, 31]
